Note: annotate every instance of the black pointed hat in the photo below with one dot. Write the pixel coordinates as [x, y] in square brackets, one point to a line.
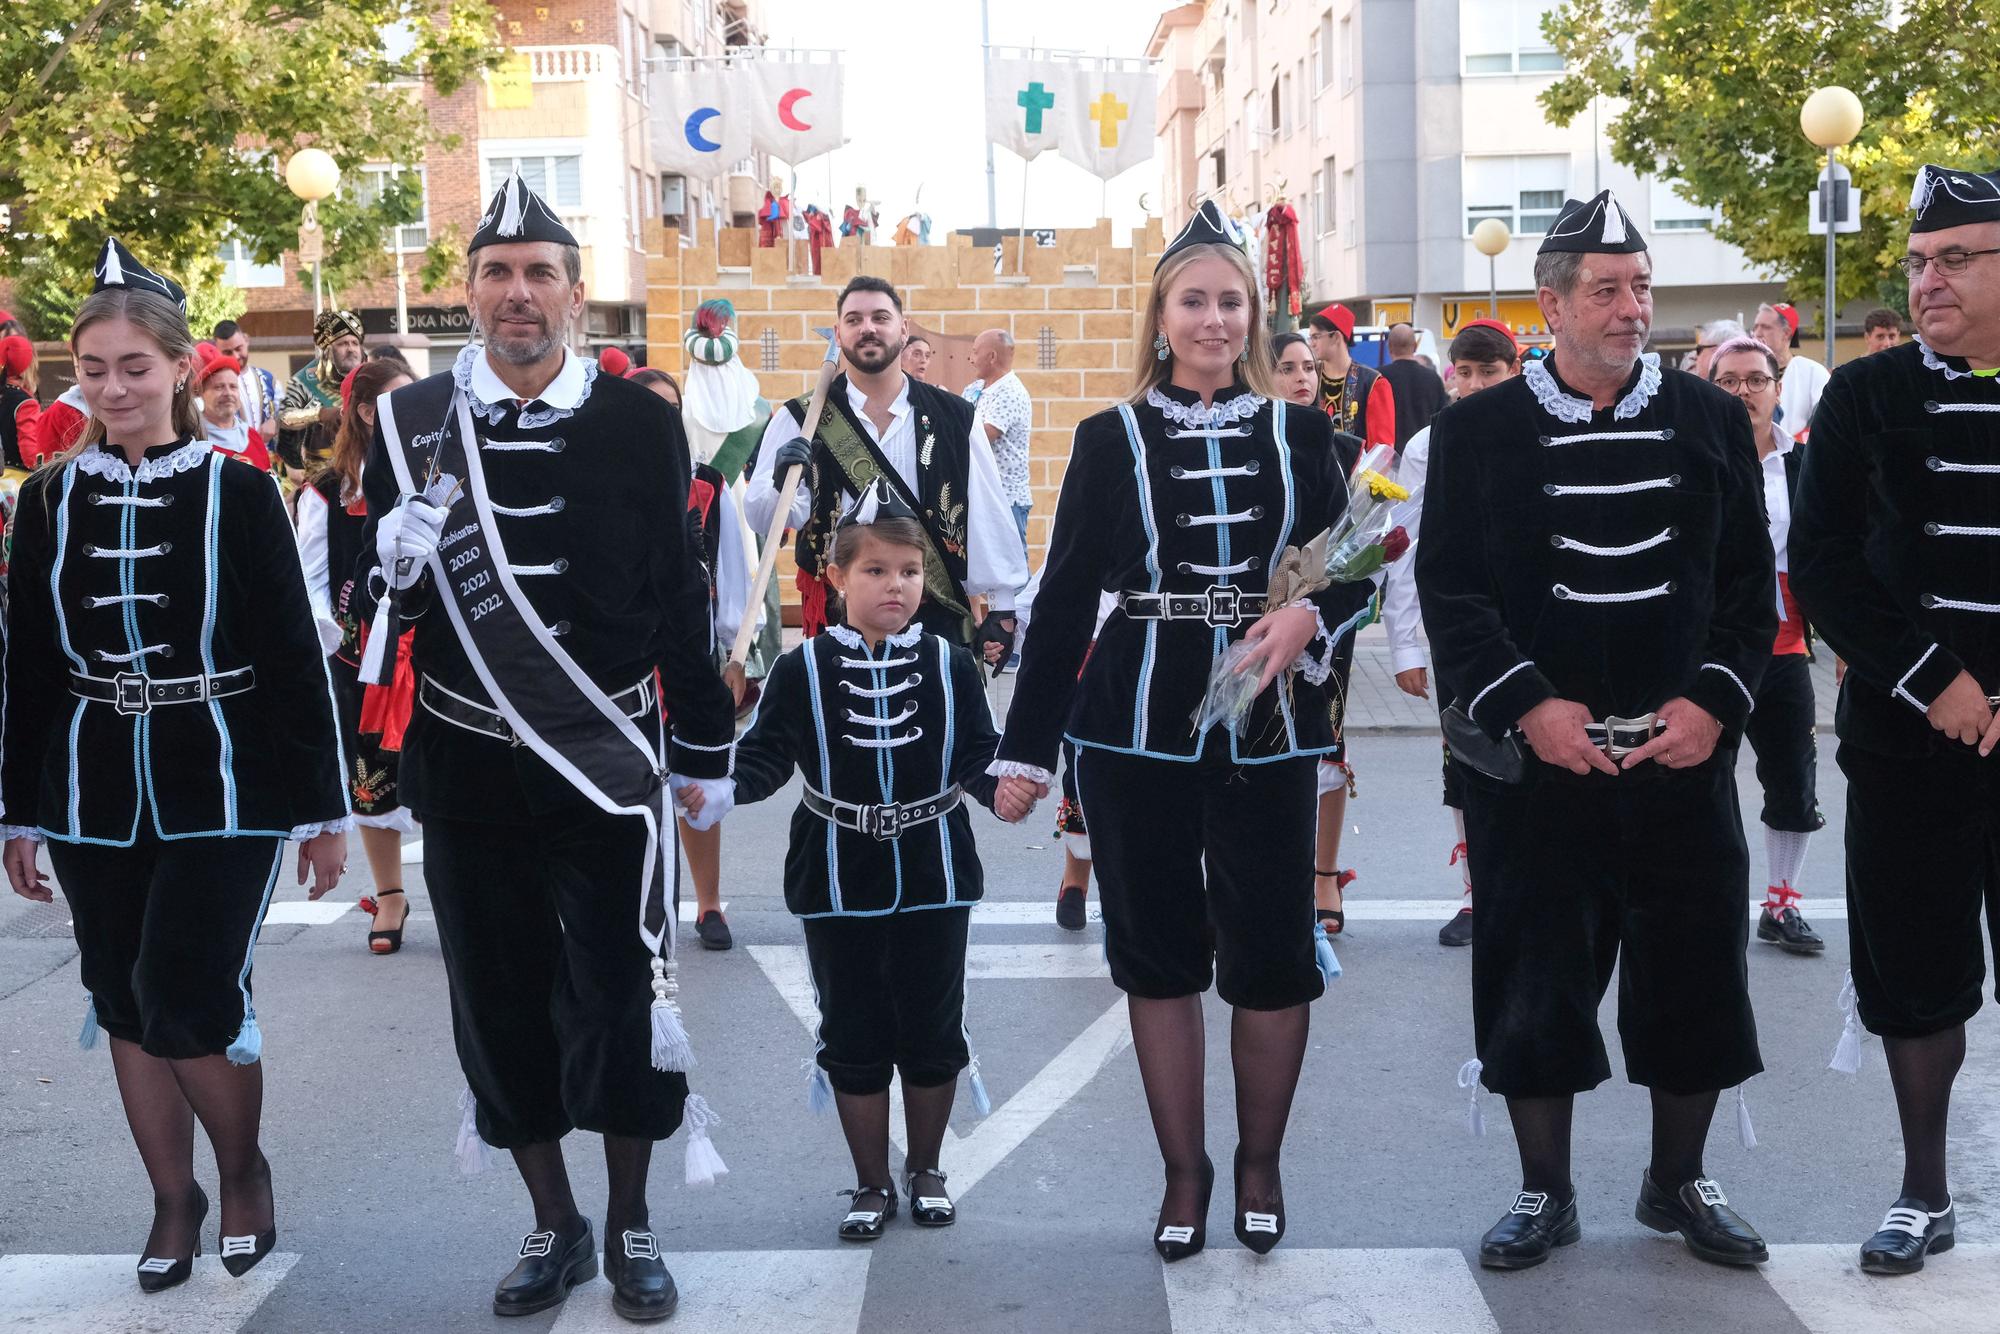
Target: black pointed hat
[519, 214]
[1207, 226]
[878, 501]
[1595, 226]
[1945, 198]
[117, 267]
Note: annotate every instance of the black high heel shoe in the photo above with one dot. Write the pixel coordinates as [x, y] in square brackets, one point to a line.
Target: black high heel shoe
[866, 1224]
[384, 942]
[929, 1210]
[241, 1254]
[1177, 1241]
[1257, 1231]
[157, 1273]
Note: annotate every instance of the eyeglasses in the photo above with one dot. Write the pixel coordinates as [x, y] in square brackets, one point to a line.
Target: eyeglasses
[1949, 262]
[1756, 384]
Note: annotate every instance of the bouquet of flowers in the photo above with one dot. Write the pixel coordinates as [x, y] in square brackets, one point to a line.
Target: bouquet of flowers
[1373, 532]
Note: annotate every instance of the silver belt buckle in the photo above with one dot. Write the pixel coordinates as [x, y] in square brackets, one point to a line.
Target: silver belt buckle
[883, 822]
[1641, 726]
[1224, 610]
[132, 698]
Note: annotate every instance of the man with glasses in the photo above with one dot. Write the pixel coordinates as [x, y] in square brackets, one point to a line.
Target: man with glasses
[1709, 337]
[1896, 558]
[1777, 327]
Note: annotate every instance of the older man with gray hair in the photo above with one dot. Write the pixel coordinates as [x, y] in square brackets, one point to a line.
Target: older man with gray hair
[1709, 337]
[1601, 618]
[1004, 411]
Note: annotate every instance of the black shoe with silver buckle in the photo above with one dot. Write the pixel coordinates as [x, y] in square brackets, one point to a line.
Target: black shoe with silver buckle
[1458, 931]
[1910, 1231]
[933, 1210]
[1531, 1229]
[866, 1224]
[713, 928]
[1789, 932]
[1700, 1212]
[550, 1265]
[641, 1287]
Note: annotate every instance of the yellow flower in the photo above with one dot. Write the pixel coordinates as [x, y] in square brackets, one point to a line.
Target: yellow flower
[1383, 489]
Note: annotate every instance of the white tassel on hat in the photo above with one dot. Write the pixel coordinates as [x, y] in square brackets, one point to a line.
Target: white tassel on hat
[1847, 1052]
[1468, 1078]
[1614, 222]
[1920, 191]
[1745, 1132]
[474, 1154]
[671, 1048]
[704, 1165]
[514, 210]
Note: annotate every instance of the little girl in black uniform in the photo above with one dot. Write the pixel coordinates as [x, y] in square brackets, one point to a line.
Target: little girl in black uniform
[891, 729]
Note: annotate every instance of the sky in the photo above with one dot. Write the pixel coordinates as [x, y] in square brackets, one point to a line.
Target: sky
[916, 109]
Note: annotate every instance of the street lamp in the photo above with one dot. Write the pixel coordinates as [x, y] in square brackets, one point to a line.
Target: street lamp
[1830, 118]
[311, 175]
[1491, 239]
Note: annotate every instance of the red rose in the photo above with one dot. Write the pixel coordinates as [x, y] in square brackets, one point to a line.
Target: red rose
[1395, 544]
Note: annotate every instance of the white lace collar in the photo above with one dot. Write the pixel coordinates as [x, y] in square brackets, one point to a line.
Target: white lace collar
[848, 636]
[490, 397]
[1567, 407]
[1195, 417]
[103, 461]
[1934, 362]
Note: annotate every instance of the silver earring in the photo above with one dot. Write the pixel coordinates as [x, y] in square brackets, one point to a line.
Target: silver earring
[1160, 346]
[182, 385]
[1245, 356]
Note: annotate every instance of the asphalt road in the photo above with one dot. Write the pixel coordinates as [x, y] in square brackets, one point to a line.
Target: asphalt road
[1387, 1192]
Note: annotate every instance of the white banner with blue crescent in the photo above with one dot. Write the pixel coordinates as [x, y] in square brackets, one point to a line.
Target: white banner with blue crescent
[701, 119]
[795, 106]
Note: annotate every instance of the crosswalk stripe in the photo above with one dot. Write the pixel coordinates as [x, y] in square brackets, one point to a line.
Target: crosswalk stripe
[1360, 909]
[305, 912]
[1326, 1292]
[1829, 1294]
[77, 1293]
[743, 1292]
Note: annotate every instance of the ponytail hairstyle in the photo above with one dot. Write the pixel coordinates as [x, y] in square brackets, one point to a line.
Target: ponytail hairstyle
[365, 384]
[162, 321]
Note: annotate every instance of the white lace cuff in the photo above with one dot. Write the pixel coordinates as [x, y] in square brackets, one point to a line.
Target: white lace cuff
[26, 831]
[300, 833]
[1015, 769]
[1315, 669]
[718, 798]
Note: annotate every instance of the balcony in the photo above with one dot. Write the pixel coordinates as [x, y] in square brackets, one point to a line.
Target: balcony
[570, 64]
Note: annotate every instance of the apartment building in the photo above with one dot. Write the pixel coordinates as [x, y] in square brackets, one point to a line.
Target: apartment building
[569, 110]
[1394, 127]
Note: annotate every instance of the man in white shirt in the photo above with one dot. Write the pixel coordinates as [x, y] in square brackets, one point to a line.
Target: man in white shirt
[1007, 416]
[879, 421]
[1777, 327]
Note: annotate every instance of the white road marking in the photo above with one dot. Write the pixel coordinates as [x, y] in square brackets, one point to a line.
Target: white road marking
[1829, 1294]
[1326, 1292]
[97, 1294]
[413, 852]
[1361, 909]
[743, 1292]
[1031, 912]
[970, 1157]
[304, 912]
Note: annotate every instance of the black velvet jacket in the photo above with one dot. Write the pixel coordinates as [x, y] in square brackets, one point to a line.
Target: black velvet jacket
[1895, 541]
[1616, 557]
[1149, 505]
[592, 507]
[898, 723]
[182, 567]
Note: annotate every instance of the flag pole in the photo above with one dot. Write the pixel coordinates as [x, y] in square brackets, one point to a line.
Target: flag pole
[781, 517]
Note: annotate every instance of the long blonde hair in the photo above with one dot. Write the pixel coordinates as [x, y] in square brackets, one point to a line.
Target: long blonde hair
[1255, 371]
[162, 321]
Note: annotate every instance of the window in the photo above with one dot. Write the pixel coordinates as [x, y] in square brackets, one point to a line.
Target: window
[556, 177]
[1347, 54]
[1319, 204]
[1347, 223]
[411, 237]
[1505, 37]
[642, 75]
[635, 190]
[1526, 193]
[240, 269]
[1281, 103]
[1315, 57]
[1672, 213]
[1221, 162]
[1301, 98]
[1322, 53]
[1326, 176]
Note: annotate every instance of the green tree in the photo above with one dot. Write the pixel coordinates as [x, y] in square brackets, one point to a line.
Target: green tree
[165, 122]
[1710, 92]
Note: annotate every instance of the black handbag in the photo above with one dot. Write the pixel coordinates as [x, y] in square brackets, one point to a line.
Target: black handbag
[1502, 760]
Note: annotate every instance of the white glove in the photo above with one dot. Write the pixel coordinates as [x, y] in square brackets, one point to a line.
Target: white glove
[718, 799]
[406, 539]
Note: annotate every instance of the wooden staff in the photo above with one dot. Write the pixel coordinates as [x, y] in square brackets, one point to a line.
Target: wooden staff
[781, 517]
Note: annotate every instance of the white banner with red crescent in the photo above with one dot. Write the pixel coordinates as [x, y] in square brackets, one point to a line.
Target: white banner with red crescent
[796, 107]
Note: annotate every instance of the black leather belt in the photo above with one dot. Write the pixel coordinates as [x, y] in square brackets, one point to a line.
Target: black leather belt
[462, 712]
[883, 822]
[1221, 605]
[133, 694]
[1622, 736]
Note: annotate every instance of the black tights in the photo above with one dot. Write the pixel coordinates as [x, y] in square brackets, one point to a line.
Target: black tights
[864, 1120]
[626, 1163]
[1267, 1048]
[1922, 1070]
[163, 1101]
[1542, 1133]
